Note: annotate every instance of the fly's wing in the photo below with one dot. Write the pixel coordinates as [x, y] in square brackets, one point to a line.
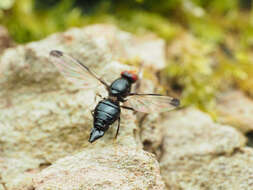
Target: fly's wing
[149, 103]
[75, 71]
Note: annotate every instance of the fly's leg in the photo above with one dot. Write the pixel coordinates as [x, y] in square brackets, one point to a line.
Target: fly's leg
[99, 95]
[117, 128]
[128, 108]
[95, 99]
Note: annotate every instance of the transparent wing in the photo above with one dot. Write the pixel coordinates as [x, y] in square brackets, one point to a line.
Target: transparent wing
[149, 103]
[75, 71]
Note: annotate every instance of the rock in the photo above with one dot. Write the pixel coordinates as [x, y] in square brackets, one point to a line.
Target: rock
[44, 117]
[151, 133]
[116, 167]
[149, 48]
[236, 109]
[5, 39]
[17, 172]
[233, 171]
[200, 154]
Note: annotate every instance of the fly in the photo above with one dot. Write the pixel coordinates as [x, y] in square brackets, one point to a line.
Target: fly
[107, 111]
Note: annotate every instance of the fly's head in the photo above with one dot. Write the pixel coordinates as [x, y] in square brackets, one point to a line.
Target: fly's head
[131, 76]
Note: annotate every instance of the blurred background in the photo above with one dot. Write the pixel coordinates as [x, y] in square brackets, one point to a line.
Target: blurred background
[209, 42]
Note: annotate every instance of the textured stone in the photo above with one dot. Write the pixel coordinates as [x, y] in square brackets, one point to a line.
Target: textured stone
[236, 109]
[103, 168]
[149, 49]
[1, 187]
[197, 152]
[151, 133]
[229, 172]
[44, 117]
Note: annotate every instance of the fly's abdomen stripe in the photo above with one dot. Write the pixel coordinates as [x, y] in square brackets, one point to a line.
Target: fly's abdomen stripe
[106, 112]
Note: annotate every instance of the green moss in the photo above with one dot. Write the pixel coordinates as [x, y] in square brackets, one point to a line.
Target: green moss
[25, 24]
[191, 68]
[140, 22]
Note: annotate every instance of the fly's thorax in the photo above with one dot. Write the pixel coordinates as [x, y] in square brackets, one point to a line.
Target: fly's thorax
[120, 88]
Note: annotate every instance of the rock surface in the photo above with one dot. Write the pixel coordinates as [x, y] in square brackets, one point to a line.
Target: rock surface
[105, 168]
[229, 172]
[44, 117]
[149, 49]
[236, 109]
[199, 154]
[151, 133]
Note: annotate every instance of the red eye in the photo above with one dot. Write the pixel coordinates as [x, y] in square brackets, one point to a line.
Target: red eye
[123, 72]
[134, 77]
[130, 75]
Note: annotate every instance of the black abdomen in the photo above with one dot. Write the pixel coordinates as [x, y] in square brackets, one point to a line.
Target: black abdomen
[105, 114]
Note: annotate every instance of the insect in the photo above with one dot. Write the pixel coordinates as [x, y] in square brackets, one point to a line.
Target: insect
[108, 110]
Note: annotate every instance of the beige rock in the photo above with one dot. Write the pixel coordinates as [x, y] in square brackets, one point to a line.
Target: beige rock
[116, 167]
[197, 152]
[149, 48]
[236, 109]
[228, 172]
[44, 117]
[2, 187]
[151, 133]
